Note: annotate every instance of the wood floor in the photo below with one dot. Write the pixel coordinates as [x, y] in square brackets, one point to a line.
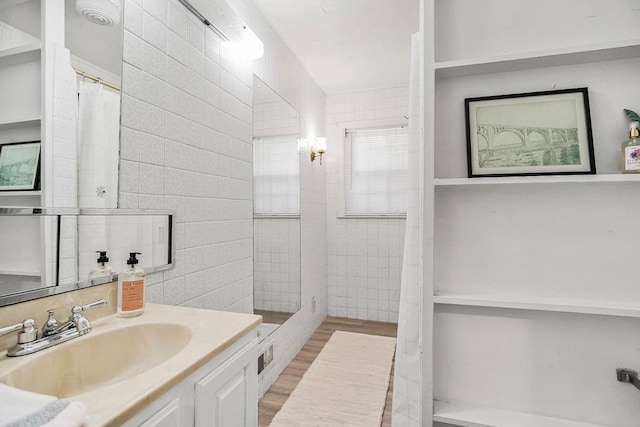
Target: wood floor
[279, 392]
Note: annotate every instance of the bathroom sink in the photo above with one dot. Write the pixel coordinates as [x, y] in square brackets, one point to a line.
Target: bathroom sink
[98, 359]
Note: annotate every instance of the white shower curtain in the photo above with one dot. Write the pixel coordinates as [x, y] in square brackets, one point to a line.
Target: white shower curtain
[98, 145]
[407, 385]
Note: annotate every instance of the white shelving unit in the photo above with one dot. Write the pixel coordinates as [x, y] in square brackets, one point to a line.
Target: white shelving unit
[501, 245]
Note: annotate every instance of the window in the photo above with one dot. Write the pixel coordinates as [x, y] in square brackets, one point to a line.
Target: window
[276, 172]
[376, 171]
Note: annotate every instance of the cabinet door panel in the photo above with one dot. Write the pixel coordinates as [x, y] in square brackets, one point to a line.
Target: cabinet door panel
[224, 397]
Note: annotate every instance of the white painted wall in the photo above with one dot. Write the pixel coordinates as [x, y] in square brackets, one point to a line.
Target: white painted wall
[365, 255]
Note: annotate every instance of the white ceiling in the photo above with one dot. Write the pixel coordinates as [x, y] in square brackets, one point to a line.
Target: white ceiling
[347, 45]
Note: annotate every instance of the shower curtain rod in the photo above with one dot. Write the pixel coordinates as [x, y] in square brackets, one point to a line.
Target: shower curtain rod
[97, 80]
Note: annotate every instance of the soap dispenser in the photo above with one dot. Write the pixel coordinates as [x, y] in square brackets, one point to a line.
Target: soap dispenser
[131, 289]
[102, 269]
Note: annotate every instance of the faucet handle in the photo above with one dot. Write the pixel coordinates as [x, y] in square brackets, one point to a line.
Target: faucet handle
[82, 323]
[27, 330]
[79, 308]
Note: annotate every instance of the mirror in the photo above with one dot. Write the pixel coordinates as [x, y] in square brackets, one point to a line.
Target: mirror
[22, 268]
[276, 207]
[90, 112]
[96, 57]
[78, 235]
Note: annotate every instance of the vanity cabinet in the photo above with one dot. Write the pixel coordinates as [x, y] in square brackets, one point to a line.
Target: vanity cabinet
[223, 392]
[532, 298]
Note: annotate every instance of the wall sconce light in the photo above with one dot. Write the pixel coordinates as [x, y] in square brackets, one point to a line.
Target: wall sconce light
[319, 148]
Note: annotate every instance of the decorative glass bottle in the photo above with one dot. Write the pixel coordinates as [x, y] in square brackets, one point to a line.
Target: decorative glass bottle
[631, 150]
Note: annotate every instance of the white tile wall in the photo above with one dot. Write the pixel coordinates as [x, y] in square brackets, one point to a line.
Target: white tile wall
[365, 255]
[189, 149]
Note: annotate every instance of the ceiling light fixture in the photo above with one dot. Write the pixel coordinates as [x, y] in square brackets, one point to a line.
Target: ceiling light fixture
[237, 36]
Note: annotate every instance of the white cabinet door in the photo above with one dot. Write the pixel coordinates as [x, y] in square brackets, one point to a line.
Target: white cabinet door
[169, 416]
[228, 396]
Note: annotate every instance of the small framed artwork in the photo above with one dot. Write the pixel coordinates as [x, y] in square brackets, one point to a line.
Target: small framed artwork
[537, 133]
[19, 166]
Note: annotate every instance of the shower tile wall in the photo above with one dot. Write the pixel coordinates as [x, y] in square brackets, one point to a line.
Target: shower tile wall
[365, 255]
[186, 145]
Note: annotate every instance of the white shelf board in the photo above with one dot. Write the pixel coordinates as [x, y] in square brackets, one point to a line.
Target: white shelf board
[541, 179]
[20, 55]
[20, 193]
[20, 273]
[477, 416]
[564, 305]
[22, 122]
[540, 59]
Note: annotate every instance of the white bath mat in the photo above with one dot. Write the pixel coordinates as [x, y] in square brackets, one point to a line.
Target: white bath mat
[345, 386]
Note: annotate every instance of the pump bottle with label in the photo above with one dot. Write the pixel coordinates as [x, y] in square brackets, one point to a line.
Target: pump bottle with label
[131, 289]
[102, 269]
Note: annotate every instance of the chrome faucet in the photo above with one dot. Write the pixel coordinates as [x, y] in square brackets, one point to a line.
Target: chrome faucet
[53, 332]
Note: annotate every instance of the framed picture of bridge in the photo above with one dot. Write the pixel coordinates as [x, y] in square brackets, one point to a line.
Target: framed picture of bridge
[19, 166]
[537, 133]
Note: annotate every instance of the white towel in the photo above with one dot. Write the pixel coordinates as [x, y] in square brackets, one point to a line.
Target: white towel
[19, 408]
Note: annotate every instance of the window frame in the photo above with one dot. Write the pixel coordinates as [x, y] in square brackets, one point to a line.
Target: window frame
[342, 193]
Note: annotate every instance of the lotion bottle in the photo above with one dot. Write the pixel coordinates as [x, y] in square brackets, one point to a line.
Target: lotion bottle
[631, 150]
[131, 289]
[102, 269]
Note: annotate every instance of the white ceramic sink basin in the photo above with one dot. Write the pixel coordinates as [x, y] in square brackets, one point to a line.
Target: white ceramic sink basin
[98, 359]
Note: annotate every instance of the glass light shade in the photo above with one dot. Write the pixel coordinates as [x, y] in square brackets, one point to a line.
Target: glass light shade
[321, 144]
